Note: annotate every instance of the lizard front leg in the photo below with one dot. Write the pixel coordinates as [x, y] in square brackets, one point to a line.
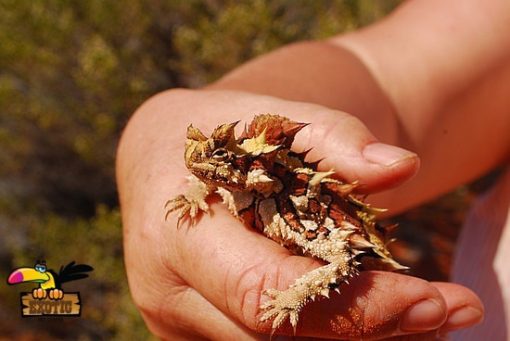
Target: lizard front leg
[191, 203]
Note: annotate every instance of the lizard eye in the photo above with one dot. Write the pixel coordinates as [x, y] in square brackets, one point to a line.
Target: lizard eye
[220, 153]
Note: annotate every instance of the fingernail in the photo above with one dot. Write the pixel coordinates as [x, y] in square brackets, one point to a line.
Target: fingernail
[386, 154]
[463, 317]
[424, 315]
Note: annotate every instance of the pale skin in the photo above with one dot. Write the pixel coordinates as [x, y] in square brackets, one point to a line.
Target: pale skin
[433, 77]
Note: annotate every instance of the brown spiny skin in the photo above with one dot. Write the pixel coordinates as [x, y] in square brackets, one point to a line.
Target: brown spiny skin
[274, 190]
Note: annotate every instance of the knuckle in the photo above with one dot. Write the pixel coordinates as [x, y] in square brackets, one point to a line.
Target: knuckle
[247, 288]
[345, 123]
[246, 298]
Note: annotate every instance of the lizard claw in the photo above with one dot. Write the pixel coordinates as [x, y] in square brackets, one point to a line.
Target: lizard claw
[185, 207]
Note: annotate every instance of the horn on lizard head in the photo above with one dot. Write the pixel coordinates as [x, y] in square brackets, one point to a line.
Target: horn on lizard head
[224, 134]
[195, 134]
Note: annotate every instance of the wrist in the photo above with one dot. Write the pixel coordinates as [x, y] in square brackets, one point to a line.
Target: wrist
[427, 53]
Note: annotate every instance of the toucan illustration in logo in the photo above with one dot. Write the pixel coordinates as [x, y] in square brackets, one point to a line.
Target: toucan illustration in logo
[50, 283]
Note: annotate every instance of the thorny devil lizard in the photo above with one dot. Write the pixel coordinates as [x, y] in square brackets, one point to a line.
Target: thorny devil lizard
[272, 188]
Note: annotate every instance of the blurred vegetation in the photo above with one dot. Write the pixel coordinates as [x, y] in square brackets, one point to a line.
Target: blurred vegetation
[71, 74]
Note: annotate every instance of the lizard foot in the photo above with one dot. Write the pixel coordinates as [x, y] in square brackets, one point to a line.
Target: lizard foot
[283, 305]
[191, 203]
[185, 207]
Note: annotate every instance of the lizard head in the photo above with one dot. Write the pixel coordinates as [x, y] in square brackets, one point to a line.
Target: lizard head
[247, 162]
[216, 160]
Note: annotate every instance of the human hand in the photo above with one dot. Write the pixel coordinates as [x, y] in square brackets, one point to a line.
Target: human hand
[205, 281]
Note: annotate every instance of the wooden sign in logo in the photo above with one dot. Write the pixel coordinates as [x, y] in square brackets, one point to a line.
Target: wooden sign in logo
[69, 305]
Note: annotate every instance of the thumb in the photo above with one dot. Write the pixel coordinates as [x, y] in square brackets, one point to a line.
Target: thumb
[348, 147]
